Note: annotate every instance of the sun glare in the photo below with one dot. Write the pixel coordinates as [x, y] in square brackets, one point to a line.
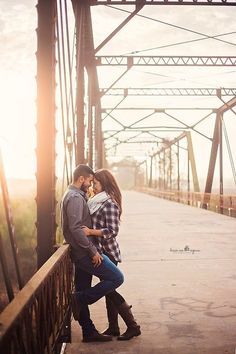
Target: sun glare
[17, 125]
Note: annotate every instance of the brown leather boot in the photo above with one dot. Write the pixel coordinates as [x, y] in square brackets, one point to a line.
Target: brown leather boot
[112, 315]
[133, 329]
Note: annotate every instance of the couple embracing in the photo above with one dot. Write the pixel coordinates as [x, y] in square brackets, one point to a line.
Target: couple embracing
[90, 227]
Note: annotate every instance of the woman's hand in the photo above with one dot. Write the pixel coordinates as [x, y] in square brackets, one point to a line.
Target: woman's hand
[86, 230]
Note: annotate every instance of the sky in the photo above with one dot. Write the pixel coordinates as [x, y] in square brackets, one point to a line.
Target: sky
[156, 27]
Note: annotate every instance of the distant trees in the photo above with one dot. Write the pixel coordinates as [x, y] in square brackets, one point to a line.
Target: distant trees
[24, 216]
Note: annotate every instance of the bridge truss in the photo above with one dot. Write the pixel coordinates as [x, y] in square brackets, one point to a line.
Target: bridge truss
[106, 114]
[96, 121]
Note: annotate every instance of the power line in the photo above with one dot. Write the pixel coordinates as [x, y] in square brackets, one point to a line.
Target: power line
[179, 43]
[176, 26]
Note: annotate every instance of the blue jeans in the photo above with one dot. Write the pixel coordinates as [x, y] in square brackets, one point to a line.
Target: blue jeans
[83, 281]
[110, 279]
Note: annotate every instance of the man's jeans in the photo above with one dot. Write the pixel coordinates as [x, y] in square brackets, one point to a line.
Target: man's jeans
[83, 281]
[110, 279]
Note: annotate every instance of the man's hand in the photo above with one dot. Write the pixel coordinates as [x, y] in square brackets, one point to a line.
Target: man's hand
[97, 260]
[86, 230]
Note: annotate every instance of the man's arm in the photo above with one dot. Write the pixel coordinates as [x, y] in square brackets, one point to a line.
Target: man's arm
[75, 214]
[111, 215]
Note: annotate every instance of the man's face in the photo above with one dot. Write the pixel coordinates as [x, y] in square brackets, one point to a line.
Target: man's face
[87, 181]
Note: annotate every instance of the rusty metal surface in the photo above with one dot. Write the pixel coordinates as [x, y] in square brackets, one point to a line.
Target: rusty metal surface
[33, 322]
[46, 130]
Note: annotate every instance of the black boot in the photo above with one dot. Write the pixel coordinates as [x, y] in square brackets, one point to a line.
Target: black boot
[112, 315]
[133, 329]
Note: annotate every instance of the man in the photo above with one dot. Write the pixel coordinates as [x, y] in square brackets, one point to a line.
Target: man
[88, 261]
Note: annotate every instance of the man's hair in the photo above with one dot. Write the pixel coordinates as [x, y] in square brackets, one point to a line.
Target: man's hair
[82, 170]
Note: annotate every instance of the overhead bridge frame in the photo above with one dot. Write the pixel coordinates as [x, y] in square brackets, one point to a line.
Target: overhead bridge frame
[32, 322]
[130, 61]
[164, 2]
[87, 60]
[174, 91]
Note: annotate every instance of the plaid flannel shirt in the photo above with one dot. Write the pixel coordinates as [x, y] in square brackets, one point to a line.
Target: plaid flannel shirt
[106, 219]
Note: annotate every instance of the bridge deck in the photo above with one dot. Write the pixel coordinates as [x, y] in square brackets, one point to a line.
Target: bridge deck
[185, 301]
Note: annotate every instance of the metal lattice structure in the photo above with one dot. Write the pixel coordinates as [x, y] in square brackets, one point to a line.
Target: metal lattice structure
[164, 2]
[171, 91]
[38, 318]
[86, 133]
[130, 61]
[84, 115]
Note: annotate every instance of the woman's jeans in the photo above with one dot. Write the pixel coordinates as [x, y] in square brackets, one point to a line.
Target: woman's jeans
[110, 279]
[113, 299]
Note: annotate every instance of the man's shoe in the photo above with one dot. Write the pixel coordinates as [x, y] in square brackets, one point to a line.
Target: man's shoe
[96, 337]
[75, 306]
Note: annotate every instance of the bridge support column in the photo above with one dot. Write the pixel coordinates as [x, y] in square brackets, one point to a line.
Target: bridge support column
[46, 131]
[212, 163]
[80, 16]
[89, 144]
[150, 176]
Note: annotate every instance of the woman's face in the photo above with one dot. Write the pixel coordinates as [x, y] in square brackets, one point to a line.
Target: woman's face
[97, 187]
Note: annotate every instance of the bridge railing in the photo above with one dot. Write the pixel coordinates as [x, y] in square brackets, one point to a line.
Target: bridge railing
[37, 320]
[224, 204]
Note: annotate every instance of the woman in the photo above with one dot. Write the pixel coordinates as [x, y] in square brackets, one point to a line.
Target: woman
[105, 209]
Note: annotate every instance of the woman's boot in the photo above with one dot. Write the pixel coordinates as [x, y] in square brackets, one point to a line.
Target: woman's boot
[133, 329]
[112, 315]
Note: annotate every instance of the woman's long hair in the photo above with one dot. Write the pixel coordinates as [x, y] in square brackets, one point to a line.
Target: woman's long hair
[109, 185]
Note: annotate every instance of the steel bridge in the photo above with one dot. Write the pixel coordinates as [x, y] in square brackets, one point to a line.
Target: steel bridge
[100, 122]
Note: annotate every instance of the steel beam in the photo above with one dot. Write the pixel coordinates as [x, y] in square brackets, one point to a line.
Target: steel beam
[216, 141]
[227, 105]
[165, 2]
[175, 91]
[191, 159]
[142, 129]
[150, 175]
[162, 110]
[95, 139]
[139, 6]
[129, 61]
[213, 156]
[80, 23]
[46, 130]
[86, 62]
[178, 166]
[192, 162]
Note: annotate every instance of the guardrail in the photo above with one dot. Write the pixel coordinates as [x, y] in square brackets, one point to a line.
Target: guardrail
[224, 204]
[38, 319]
